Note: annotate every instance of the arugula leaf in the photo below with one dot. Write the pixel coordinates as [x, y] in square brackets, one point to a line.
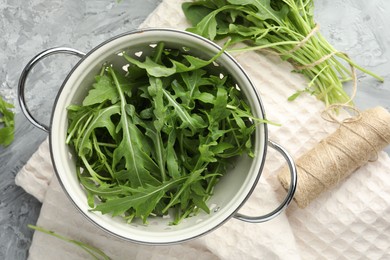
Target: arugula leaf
[192, 82]
[153, 68]
[264, 10]
[130, 148]
[198, 11]
[143, 201]
[193, 121]
[154, 132]
[101, 118]
[173, 167]
[7, 123]
[103, 90]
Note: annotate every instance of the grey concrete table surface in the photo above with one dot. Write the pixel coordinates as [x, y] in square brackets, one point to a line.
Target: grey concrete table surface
[357, 27]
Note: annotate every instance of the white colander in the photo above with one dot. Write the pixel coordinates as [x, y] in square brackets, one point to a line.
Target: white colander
[233, 189]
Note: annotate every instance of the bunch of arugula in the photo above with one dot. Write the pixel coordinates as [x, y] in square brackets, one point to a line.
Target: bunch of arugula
[286, 27]
[7, 123]
[158, 137]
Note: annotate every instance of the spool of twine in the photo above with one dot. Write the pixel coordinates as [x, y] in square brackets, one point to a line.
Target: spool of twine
[352, 145]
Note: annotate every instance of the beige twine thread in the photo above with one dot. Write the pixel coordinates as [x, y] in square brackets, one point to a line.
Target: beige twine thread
[317, 62]
[357, 141]
[352, 145]
[303, 42]
[300, 45]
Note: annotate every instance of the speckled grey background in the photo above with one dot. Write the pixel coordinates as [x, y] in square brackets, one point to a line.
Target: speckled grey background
[27, 27]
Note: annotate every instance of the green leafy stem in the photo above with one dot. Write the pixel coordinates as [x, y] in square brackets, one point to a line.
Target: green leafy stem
[288, 29]
[94, 252]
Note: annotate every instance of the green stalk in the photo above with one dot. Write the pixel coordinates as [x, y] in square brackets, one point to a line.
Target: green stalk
[265, 46]
[96, 253]
[341, 55]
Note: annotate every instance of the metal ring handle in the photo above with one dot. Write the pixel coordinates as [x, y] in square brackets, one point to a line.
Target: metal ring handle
[290, 193]
[23, 77]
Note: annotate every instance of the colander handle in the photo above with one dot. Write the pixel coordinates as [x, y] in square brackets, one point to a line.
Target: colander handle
[23, 77]
[290, 193]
